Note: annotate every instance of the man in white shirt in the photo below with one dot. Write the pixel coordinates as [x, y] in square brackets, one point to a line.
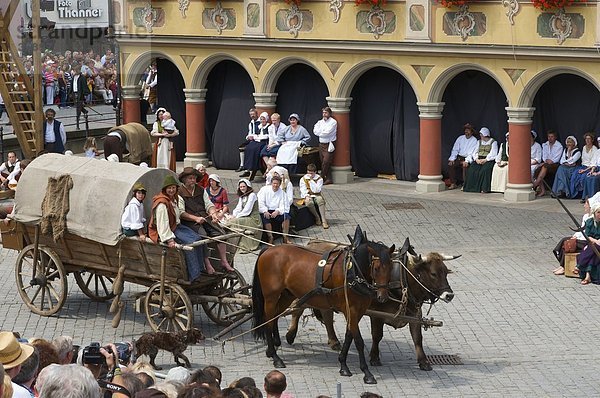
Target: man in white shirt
[464, 146]
[326, 130]
[253, 128]
[551, 153]
[55, 136]
[311, 186]
[272, 201]
[11, 164]
[152, 84]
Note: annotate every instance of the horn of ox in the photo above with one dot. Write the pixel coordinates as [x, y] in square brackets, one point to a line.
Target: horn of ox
[447, 257]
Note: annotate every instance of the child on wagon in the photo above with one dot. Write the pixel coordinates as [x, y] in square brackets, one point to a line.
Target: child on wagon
[132, 220]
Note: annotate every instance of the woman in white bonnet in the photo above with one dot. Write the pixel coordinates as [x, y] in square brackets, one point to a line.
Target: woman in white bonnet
[163, 155]
[568, 164]
[256, 143]
[479, 174]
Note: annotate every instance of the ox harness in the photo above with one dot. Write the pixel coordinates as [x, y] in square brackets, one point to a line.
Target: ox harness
[355, 279]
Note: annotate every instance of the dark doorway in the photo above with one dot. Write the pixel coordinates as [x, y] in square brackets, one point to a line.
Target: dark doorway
[384, 125]
[228, 99]
[569, 105]
[300, 89]
[472, 97]
[172, 98]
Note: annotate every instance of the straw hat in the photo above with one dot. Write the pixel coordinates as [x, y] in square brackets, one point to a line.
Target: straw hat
[170, 180]
[138, 186]
[188, 171]
[13, 353]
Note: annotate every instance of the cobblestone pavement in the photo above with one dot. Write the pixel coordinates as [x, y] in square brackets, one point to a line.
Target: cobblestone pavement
[517, 328]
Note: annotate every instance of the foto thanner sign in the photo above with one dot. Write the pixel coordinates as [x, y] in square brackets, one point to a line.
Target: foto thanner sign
[66, 14]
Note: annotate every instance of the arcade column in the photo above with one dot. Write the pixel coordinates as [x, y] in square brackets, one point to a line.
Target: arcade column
[266, 102]
[519, 187]
[130, 96]
[430, 147]
[341, 169]
[195, 143]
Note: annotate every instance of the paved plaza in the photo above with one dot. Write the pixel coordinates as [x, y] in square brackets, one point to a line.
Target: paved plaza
[519, 330]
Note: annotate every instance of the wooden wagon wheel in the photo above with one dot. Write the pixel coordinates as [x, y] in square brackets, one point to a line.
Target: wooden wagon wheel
[224, 314]
[97, 287]
[175, 313]
[43, 288]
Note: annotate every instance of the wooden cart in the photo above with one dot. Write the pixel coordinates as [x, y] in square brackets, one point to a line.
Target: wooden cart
[95, 252]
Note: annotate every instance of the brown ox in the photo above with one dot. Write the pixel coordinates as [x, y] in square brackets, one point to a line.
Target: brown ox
[429, 270]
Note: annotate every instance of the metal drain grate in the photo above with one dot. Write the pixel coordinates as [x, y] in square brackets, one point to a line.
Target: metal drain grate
[445, 360]
[403, 206]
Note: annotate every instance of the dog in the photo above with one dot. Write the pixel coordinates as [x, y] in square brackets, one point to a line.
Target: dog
[174, 342]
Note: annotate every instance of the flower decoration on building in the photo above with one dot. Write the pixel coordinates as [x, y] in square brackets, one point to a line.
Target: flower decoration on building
[453, 3]
[294, 2]
[372, 3]
[556, 4]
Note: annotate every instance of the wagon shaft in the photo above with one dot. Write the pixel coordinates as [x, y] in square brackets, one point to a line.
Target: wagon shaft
[398, 321]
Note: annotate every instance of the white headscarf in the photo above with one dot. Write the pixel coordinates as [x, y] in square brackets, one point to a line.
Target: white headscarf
[571, 137]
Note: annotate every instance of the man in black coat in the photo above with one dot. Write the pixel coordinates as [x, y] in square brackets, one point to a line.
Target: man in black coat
[80, 91]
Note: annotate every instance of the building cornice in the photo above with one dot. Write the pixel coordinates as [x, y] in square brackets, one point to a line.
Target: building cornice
[387, 48]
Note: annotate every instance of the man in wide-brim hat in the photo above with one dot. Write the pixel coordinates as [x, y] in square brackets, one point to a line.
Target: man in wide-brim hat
[12, 354]
[165, 227]
[461, 156]
[200, 212]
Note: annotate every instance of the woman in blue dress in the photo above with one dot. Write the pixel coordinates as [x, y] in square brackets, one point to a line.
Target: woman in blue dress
[588, 159]
[588, 263]
[568, 164]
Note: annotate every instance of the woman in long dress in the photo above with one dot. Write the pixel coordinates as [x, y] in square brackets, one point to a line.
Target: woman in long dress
[163, 155]
[568, 165]
[479, 173]
[589, 152]
[246, 214]
[500, 171]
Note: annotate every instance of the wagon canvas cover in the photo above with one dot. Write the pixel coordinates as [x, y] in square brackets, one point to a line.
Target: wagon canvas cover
[100, 192]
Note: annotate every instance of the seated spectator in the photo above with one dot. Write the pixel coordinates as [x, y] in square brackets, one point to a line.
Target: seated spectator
[203, 378]
[464, 146]
[64, 349]
[178, 373]
[581, 242]
[144, 372]
[272, 202]
[536, 153]
[12, 355]
[200, 214]
[203, 177]
[289, 139]
[133, 219]
[218, 195]
[568, 163]
[311, 186]
[588, 160]
[243, 382]
[68, 381]
[246, 214]
[269, 152]
[286, 186]
[23, 381]
[13, 178]
[46, 351]
[591, 181]
[500, 171]
[256, 143]
[101, 88]
[481, 163]
[551, 153]
[11, 164]
[252, 130]
[165, 227]
[587, 261]
[275, 384]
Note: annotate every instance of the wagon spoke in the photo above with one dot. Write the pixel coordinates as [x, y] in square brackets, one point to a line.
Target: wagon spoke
[155, 305]
[49, 297]
[160, 323]
[89, 279]
[103, 284]
[181, 325]
[52, 274]
[43, 298]
[155, 314]
[35, 294]
[182, 316]
[183, 307]
[52, 290]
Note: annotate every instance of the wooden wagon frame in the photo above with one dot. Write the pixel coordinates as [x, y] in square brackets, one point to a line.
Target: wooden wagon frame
[100, 257]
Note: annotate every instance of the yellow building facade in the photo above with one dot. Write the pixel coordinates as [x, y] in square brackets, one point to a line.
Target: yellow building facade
[515, 48]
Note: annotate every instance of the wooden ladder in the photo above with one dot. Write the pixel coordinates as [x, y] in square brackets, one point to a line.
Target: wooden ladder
[17, 92]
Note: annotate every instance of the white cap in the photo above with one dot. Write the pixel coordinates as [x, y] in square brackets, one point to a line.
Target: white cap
[113, 158]
[484, 132]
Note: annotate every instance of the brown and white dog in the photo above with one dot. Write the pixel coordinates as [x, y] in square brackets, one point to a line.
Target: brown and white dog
[174, 342]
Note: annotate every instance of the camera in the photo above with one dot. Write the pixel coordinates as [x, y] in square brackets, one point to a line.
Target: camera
[93, 356]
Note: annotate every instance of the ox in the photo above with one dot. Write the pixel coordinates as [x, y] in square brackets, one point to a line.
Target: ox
[426, 277]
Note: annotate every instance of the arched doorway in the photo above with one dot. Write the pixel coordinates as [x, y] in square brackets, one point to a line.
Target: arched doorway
[384, 125]
[472, 97]
[228, 99]
[567, 104]
[171, 97]
[300, 89]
